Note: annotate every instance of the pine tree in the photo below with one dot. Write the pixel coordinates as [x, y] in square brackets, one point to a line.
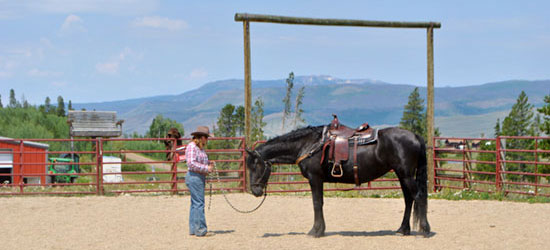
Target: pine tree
[13, 101]
[286, 100]
[545, 111]
[545, 126]
[160, 126]
[47, 105]
[519, 120]
[60, 111]
[238, 120]
[298, 109]
[1, 106]
[412, 118]
[519, 123]
[257, 123]
[225, 124]
[70, 106]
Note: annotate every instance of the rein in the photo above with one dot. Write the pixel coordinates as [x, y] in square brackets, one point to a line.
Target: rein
[227, 200]
[313, 151]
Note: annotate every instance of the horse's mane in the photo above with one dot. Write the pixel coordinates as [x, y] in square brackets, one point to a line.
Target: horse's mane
[295, 134]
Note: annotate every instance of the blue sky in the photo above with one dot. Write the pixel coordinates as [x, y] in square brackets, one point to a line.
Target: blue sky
[93, 51]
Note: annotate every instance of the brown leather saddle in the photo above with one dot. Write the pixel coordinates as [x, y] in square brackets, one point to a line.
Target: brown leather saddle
[339, 138]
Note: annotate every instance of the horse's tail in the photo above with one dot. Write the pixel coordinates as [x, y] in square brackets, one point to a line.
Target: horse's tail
[421, 199]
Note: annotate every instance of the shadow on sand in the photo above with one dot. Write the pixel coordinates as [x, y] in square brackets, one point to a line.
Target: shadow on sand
[353, 234]
[222, 231]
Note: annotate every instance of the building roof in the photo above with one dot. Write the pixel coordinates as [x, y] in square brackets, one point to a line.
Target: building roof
[26, 143]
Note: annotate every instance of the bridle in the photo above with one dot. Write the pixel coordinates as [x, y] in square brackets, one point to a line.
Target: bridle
[265, 175]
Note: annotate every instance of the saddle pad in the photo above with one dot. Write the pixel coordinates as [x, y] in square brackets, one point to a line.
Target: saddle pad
[366, 138]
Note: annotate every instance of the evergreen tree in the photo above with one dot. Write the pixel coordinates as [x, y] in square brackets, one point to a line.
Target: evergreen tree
[70, 106]
[239, 121]
[519, 120]
[545, 111]
[298, 108]
[257, 123]
[23, 103]
[412, 118]
[47, 105]
[225, 123]
[160, 126]
[13, 101]
[60, 111]
[519, 123]
[286, 100]
[1, 106]
[545, 126]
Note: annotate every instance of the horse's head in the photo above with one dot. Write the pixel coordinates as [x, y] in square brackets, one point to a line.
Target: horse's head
[259, 170]
[173, 133]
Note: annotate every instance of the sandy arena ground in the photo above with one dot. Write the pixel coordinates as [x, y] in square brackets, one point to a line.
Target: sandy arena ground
[160, 222]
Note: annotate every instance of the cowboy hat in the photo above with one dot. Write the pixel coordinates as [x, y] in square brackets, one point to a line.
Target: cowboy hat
[202, 130]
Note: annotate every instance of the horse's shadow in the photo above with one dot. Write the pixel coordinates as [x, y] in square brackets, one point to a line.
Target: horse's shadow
[222, 231]
[353, 234]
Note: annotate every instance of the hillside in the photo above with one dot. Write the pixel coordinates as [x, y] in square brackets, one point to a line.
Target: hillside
[459, 111]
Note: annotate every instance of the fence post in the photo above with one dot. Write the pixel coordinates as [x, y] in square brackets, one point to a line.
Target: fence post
[99, 165]
[497, 165]
[435, 164]
[21, 167]
[174, 166]
[243, 164]
[537, 176]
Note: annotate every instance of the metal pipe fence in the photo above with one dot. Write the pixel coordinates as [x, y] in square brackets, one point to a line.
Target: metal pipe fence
[140, 166]
[506, 164]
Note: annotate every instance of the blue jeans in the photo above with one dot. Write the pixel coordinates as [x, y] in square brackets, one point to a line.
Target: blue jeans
[197, 221]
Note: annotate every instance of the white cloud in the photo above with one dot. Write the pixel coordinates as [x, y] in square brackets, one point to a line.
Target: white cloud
[72, 23]
[160, 23]
[117, 7]
[112, 66]
[107, 67]
[43, 73]
[198, 73]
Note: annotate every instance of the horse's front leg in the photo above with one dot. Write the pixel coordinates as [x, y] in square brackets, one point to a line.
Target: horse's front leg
[318, 229]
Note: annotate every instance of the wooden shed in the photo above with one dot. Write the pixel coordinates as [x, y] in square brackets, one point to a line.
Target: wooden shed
[19, 159]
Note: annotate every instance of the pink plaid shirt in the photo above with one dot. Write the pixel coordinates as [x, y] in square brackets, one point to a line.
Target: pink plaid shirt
[197, 160]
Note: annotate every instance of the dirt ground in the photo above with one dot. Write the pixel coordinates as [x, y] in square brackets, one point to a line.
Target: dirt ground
[160, 222]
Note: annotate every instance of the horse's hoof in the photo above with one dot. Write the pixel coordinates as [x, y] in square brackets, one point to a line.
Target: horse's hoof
[425, 231]
[315, 234]
[404, 231]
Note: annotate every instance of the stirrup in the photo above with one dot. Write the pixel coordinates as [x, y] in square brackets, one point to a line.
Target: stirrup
[333, 172]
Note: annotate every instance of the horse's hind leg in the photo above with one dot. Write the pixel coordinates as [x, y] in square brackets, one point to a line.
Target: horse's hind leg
[408, 186]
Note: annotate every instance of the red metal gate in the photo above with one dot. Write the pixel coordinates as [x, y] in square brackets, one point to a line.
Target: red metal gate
[507, 164]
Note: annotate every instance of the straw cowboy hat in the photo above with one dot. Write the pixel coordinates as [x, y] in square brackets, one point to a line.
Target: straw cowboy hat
[202, 130]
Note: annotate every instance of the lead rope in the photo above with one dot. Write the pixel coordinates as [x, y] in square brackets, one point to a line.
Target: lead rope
[227, 200]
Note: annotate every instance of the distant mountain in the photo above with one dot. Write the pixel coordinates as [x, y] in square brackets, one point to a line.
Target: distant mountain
[459, 111]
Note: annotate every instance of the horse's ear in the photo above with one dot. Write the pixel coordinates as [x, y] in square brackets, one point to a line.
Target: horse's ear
[249, 152]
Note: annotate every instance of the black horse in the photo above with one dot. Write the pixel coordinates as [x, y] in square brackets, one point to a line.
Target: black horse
[396, 149]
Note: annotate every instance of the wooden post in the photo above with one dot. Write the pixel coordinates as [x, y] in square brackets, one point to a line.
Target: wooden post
[430, 109]
[247, 81]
